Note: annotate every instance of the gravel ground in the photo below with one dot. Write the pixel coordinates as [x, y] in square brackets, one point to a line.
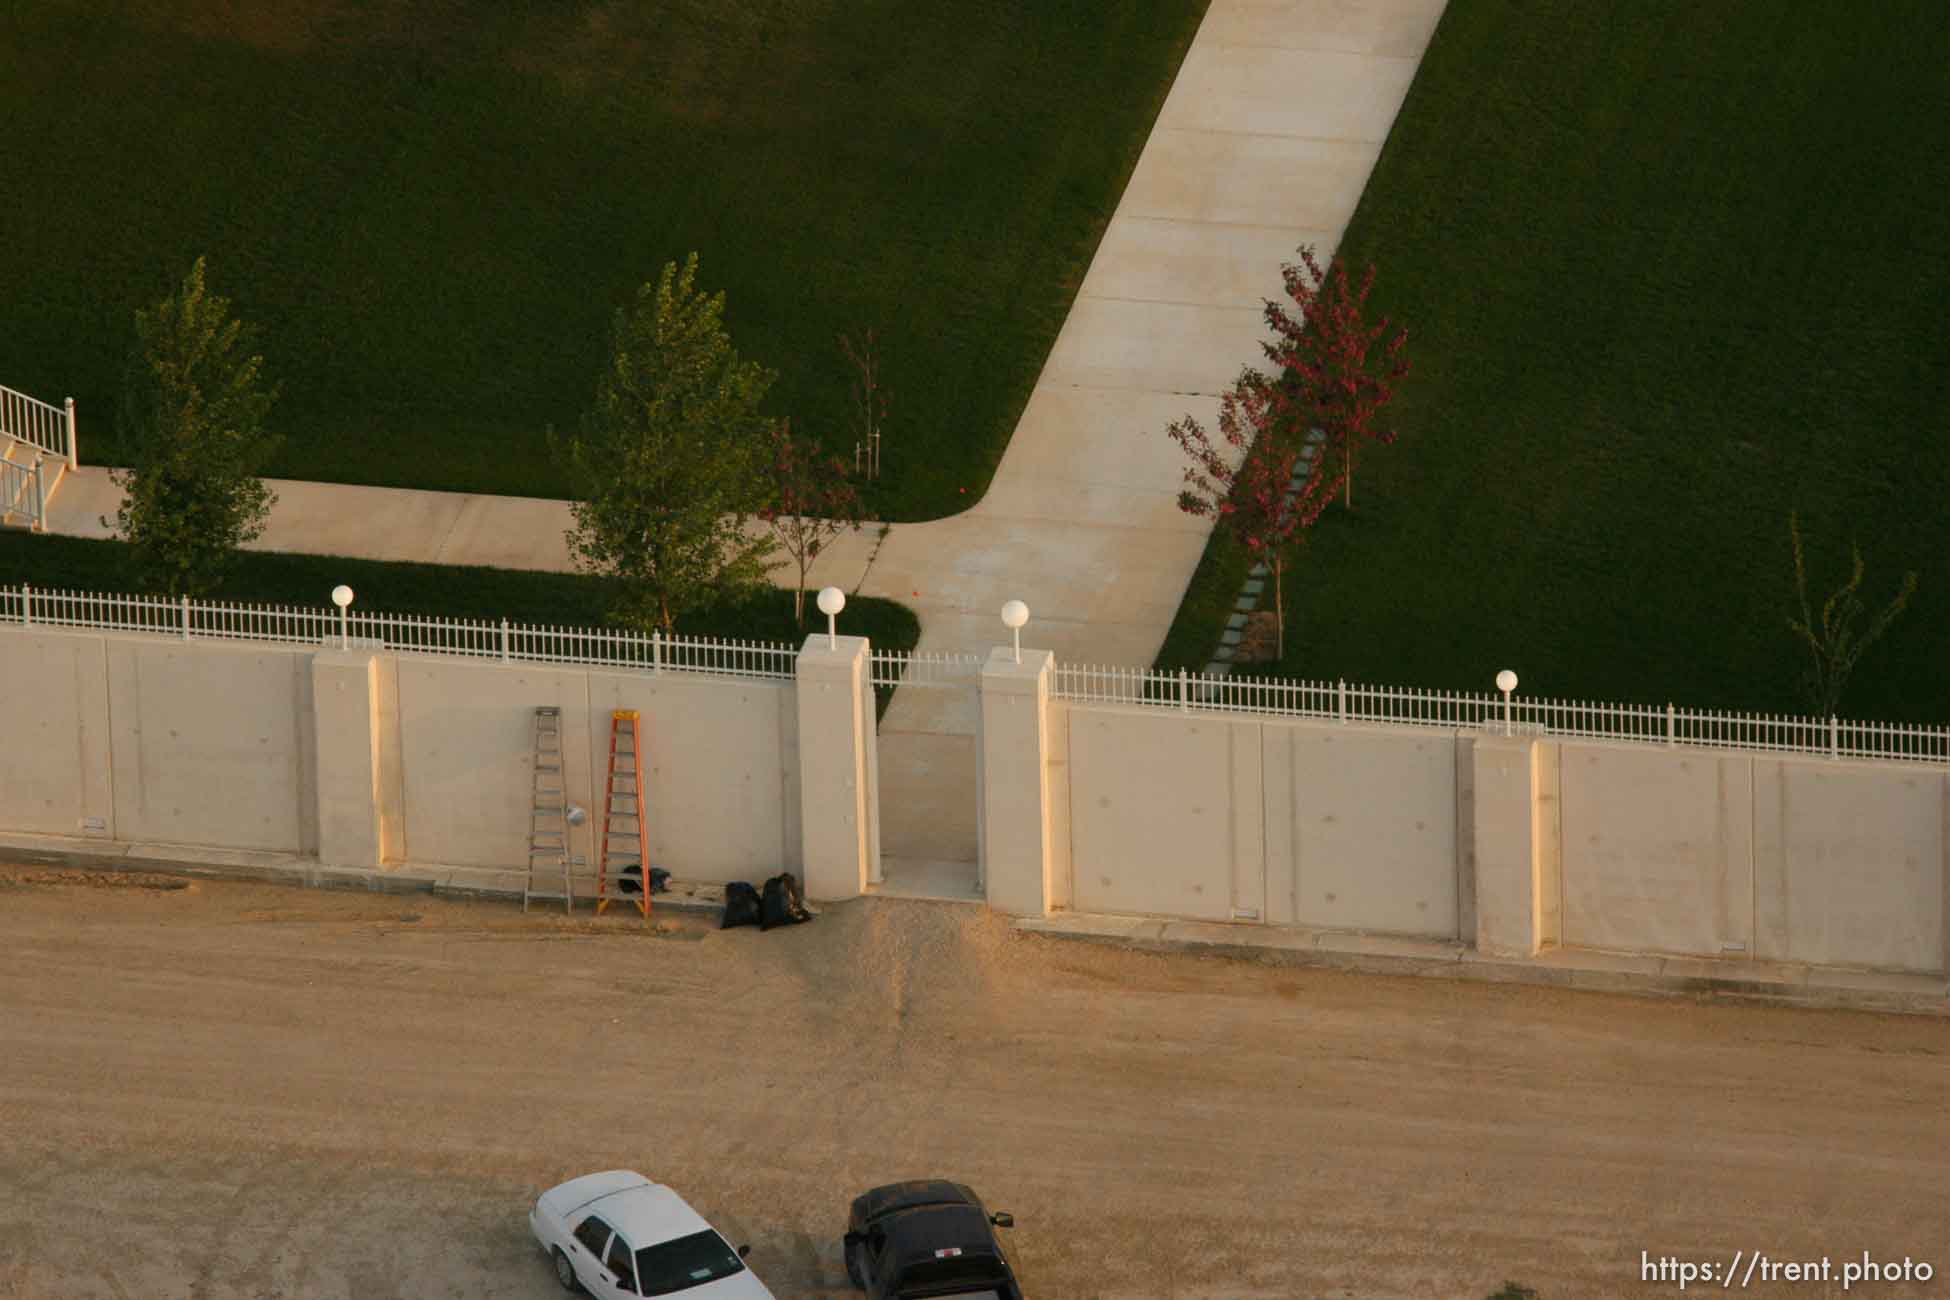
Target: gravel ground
[224, 1090]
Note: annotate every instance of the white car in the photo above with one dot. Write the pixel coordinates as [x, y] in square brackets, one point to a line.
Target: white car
[618, 1234]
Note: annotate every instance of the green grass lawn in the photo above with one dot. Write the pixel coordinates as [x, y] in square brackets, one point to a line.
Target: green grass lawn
[555, 599]
[1671, 271]
[434, 210]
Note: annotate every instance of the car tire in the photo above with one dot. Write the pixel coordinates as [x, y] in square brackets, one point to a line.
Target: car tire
[853, 1268]
[565, 1272]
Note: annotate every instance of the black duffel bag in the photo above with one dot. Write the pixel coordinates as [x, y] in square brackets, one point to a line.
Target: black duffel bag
[783, 903]
[741, 905]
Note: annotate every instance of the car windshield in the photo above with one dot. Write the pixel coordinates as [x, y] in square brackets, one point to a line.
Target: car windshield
[685, 1262]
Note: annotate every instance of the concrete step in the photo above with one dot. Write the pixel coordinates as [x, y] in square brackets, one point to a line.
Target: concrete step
[55, 471]
[496, 882]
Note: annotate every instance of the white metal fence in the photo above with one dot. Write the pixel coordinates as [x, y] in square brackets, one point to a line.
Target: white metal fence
[908, 668]
[1462, 710]
[411, 634]
[32, 421]
[1335, 701]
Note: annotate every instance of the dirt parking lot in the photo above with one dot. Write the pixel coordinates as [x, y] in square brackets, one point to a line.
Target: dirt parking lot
[227, 1090]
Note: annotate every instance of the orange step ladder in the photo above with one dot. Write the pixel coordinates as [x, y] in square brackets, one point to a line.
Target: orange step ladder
[625, 854]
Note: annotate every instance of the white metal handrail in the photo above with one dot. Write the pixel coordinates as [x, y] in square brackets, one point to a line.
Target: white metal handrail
[23, 492]
[32, 421]
[412, 634]
[914, 668]
[1345, 701]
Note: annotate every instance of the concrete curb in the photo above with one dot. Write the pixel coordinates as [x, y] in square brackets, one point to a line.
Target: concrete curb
[1591, 971]
[1601, 972]
[289, 869]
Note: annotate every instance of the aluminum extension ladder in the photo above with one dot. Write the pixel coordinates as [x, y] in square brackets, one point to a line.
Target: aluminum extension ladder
[548, 816]
[623, 870]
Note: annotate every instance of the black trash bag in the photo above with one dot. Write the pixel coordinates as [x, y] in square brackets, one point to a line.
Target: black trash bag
[741, 905]
[783, 904]
[630, 880]
[659, 881]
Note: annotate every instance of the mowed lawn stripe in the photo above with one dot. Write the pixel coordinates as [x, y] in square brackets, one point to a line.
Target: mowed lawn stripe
[1671, 271]
[433, 211]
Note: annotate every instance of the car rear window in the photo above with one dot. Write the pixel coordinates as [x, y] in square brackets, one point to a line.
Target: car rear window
[685, 1262]
[969, 1274]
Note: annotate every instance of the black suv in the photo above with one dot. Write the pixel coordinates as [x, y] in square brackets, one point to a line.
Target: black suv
[927, 1241]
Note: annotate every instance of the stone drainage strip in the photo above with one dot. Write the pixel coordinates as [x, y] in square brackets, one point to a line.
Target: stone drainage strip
[1256, 577]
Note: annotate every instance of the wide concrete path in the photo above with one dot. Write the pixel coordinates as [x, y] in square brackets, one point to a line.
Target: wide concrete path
[1264, 143]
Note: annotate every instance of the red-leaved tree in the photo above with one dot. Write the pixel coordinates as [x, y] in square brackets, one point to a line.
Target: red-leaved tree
[1251, 489]
[810, 503]
[1337, 370]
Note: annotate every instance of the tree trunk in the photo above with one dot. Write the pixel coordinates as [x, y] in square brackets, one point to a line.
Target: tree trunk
[1279, 606]
[799, 600]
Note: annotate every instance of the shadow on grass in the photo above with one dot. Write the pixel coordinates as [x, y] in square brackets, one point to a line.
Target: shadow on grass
[442, 591]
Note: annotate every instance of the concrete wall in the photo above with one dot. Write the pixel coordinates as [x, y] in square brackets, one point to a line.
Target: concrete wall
[1222, 818]
[1361, 828]
[54, 746]
[212, 744]
[1515, 844]
[720, 763]
[1153, 797]
[1727, 854]
[1657, 849]
[1850, 863]
[146, 738]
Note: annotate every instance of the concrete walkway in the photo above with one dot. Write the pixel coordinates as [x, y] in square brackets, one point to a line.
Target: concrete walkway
[1265, 142]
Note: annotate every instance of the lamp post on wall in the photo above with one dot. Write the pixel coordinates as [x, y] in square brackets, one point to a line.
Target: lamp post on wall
[831, 601]
[342, 596]
[1506, 681]
[1014, 615]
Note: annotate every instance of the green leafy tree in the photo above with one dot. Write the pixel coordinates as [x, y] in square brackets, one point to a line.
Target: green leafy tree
[668, 467]
[193, 418]
[1834, 642]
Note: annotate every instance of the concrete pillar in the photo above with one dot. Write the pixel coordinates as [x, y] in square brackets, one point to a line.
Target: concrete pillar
[346, 732]
[1547, 841]
[1013, 769]
[1508, 898]
[836, 813]
[1943, 882]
